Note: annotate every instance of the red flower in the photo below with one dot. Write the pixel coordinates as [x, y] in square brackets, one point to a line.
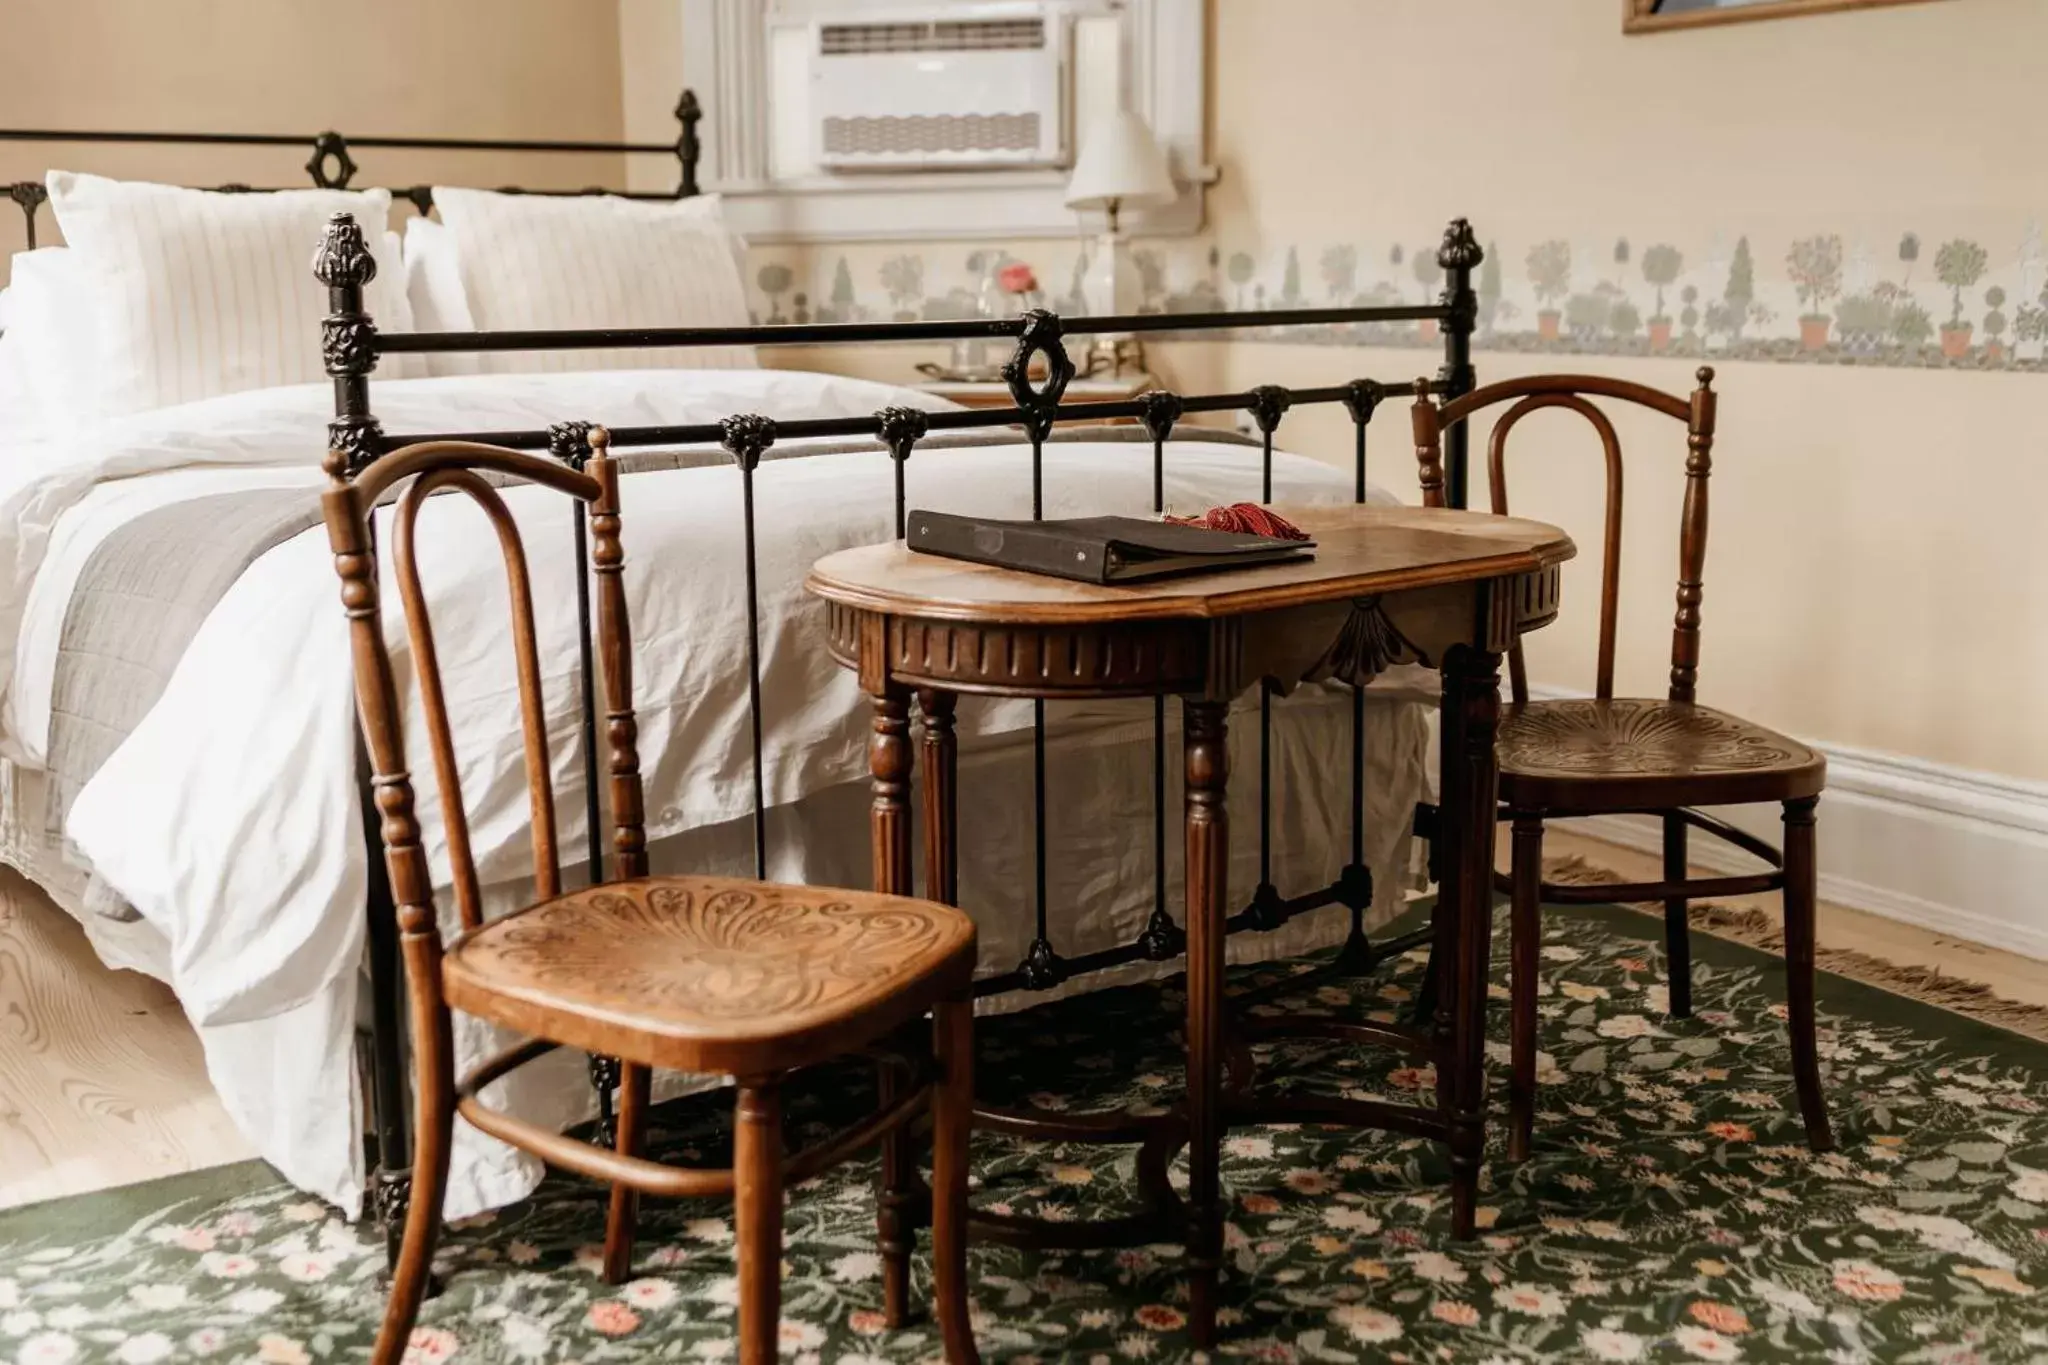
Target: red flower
[1727, 1320]
[1016, 278]
[1160, 1318]
[612, 1318]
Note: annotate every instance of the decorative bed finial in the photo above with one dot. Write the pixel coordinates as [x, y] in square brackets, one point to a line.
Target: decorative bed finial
[1460, 249]
[1041, 334]
[745, 436]
[569, 442]
[352, 443]
[330, 149]
[1160, 411]
[344, 260]
[1269, 403]
[901, 428]
[688, 150]
[1361, 397]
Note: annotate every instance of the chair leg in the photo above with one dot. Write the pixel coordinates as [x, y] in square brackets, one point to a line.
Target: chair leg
[1801, 891]
[757, 1216]
[433, 1134]
[894, 1232]
[1677, 929]
[634, 1082]
[952, 1122]
[1525, 938]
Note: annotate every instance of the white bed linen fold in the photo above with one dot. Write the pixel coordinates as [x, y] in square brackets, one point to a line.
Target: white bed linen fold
[216, 444]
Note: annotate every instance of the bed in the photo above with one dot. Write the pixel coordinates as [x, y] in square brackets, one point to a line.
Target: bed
[181, 769]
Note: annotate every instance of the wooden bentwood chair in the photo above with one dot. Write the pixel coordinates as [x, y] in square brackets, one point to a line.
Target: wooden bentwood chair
[698, 974]
[1610, 755]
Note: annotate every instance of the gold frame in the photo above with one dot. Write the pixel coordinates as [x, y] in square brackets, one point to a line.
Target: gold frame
[1638, 16]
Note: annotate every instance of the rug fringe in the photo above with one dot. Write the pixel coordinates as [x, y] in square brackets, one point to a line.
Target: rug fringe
[1751, 926]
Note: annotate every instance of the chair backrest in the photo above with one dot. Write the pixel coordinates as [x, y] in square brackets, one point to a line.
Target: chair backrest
[1574, 392]
[459, 467]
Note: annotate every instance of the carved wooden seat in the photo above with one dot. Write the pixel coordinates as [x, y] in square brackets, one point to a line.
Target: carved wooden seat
[1668, 756]
[1642, 753]
[704, 974]
[711, 973]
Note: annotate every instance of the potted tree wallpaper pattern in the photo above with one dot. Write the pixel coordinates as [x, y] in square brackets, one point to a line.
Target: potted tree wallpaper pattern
[1959, 264]
[1994, 324]
[1550, 272]
[1830, 302]
[1661, 264]
[1815, 266]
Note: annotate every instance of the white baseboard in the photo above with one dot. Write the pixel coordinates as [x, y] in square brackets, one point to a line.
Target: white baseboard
[1956, 852]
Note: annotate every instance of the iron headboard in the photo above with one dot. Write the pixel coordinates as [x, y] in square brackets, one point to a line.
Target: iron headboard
[332, 165]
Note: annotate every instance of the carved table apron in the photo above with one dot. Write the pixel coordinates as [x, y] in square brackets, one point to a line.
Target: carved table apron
[1446, 588]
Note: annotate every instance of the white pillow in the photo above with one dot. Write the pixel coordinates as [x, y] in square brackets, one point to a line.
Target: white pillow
[433, 286]
[543, 262]
[198, 294]
[51, 343]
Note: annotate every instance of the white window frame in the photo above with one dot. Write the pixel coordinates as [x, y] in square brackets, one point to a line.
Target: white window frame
[725, 61]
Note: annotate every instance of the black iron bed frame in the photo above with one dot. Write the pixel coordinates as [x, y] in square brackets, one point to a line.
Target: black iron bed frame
[352, 345]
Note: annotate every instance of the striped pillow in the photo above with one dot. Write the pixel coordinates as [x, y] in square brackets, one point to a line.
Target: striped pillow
[536, 262]
[198, 293]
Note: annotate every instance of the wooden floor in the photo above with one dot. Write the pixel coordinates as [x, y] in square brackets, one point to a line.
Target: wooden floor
[101, 1079]
[102, 1082]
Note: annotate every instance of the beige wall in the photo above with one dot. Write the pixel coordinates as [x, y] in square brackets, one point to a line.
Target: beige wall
[454, 68]
[1874, 575]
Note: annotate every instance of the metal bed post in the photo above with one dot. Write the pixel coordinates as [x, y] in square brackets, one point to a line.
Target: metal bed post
[349, 350]
[1459, 254]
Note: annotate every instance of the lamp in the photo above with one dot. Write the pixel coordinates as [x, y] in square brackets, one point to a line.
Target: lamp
[1120, 164]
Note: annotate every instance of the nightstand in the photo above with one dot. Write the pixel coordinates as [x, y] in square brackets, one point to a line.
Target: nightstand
[996, 394]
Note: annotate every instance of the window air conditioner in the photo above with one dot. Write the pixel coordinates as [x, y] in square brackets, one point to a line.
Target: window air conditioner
[919, 91]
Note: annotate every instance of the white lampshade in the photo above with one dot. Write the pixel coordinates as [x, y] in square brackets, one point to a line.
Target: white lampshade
[1120, 163]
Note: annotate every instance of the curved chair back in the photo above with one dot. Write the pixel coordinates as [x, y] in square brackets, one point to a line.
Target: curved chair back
[1575, 392]
[459, 467]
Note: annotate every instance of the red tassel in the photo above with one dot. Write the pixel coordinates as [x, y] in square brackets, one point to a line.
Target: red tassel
[1245, 518]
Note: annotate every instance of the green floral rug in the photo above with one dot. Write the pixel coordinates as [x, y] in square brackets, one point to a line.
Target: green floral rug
[1671, 1211]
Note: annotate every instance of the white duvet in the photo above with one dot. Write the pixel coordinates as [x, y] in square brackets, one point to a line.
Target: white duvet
[229, 818]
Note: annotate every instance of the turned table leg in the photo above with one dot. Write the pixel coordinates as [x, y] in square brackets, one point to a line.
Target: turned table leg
[889, 765]
[1471, 715]
[1208, 865]
[941, 804]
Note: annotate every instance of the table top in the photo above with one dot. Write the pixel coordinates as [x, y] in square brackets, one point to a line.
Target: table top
[1360, 552]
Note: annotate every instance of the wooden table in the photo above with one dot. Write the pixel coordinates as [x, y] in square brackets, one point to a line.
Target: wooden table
[1387, 584]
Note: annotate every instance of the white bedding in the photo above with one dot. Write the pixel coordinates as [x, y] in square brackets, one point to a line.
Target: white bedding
[229, 818]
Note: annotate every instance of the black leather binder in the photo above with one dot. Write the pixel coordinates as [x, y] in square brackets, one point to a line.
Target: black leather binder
[1095, 549]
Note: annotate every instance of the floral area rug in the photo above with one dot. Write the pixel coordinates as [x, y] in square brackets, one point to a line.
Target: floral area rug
[1670, 1212]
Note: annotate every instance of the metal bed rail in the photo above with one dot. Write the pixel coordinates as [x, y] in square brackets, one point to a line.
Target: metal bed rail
[331, 166]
